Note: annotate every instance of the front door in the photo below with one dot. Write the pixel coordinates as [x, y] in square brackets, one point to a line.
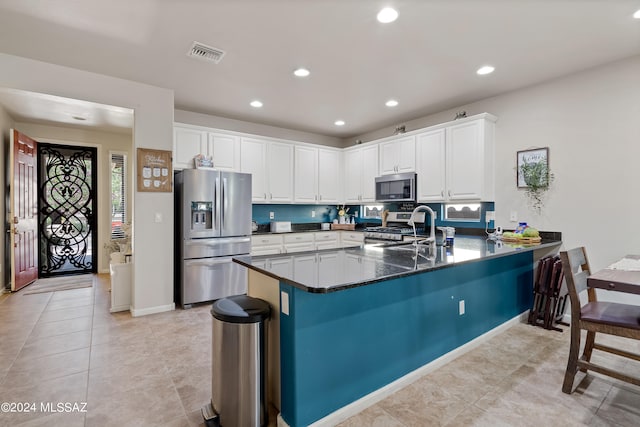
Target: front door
[67, 210]
[23, 209]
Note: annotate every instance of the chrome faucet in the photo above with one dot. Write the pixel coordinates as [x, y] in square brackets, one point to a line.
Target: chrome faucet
[431, 240]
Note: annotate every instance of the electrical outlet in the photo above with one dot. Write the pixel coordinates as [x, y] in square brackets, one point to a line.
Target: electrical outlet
[313, 214]
[272, 215]
[490, 216]
[513, 217]
[461, 307]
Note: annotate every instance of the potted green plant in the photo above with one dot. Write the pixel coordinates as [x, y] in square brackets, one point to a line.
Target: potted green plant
[537, 177]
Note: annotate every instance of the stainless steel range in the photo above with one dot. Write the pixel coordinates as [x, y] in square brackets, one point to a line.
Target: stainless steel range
[395, 230]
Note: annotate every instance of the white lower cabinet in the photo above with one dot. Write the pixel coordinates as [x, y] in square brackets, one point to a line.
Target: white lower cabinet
[273, 244]
[120, 286]
[298, 242]
[267, 244]
[327, 240]
[351, 238]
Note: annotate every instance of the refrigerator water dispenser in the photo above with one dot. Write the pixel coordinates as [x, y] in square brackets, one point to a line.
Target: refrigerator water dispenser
[201, 215]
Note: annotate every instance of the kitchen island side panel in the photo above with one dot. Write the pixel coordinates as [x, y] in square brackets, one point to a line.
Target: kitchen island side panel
[338, 347]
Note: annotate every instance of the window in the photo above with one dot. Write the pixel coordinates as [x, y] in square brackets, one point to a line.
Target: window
[462, 212]
[372, 211]
[118, 194]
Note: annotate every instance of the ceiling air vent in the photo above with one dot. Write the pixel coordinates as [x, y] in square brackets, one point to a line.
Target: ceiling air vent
[208, 53]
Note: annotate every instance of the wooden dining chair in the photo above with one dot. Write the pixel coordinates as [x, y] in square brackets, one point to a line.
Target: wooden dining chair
[596, 316]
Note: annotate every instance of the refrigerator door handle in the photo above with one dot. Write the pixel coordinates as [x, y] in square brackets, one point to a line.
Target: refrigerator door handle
[216, 207]
[223, 198]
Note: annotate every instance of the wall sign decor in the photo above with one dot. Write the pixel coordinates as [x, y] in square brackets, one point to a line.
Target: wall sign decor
[155, 172]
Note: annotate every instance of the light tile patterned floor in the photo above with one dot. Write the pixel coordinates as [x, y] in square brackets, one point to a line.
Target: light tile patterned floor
[156, 371]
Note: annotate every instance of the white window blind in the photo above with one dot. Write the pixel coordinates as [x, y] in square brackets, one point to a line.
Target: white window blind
[118, 194]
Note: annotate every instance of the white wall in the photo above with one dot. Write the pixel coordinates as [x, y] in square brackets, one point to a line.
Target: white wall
[153, 110]
[216, 122]
[104, 142]
[591, 123]
[6, 123]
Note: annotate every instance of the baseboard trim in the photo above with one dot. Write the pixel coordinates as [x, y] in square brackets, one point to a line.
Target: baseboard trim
[363, 403]
[152, 310]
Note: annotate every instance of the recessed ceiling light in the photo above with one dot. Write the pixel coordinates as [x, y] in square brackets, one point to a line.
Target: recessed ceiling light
[487, 69]
[387, 15]
[256, 104]
[301, 72]
[339, 123]
[637, 14]
[391, 103]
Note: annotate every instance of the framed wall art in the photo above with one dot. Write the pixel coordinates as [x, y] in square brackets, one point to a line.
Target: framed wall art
[154, 171]
[533, 168]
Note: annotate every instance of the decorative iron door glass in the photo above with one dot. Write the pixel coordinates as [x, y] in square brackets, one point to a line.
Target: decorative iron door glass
[67, 177]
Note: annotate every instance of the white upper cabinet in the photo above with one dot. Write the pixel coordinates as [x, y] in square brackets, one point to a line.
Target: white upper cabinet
[398, 155]
[430, 163]
[455, 162]
[225, 150]
[271, 166]
[280, 172]
[306, 174]
[361, 169]
[329, 176]
[253, 160]
[317, 175]
[187, 143]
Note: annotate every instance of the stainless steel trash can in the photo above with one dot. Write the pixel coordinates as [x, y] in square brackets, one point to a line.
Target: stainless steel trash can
[238, 386]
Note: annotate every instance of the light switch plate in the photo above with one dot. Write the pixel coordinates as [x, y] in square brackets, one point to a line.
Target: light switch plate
[272, 215]
[461, 307]
[513, 217]
[158, 217]
[284, 302]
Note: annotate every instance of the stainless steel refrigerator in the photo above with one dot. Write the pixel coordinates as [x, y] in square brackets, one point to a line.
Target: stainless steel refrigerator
[213, 225]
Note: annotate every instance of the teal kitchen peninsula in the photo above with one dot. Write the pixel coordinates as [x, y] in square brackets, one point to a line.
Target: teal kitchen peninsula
[348, 322]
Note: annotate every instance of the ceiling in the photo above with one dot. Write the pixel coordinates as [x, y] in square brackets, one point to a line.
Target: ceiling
[426, 60]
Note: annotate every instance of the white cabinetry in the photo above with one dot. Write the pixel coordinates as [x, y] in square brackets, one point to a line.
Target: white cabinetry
[267, 244]
[455, 162]
[305, 174]
[120, 286]
[191, 141]
[225, 150]
[351, 238]
[298, 242]
[329, 176]
[327, 240]
[317, 175]
[187, 143]
[398, 155]
[430, 154]
[271, 166]
[361, 169]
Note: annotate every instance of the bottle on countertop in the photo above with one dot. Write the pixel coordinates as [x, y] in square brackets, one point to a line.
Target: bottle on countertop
[520, 228]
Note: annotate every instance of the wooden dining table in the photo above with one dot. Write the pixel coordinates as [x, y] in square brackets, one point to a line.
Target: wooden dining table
[624, 277]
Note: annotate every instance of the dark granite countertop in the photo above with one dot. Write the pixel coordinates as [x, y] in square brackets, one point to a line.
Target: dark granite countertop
[338, 269]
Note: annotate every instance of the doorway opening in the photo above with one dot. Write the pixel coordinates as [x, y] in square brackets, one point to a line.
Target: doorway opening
[67, 210]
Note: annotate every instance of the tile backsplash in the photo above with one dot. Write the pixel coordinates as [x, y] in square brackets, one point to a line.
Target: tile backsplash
[303, 214]
[298, 214]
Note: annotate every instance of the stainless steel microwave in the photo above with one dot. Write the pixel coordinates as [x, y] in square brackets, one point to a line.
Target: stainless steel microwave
[399, 187]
